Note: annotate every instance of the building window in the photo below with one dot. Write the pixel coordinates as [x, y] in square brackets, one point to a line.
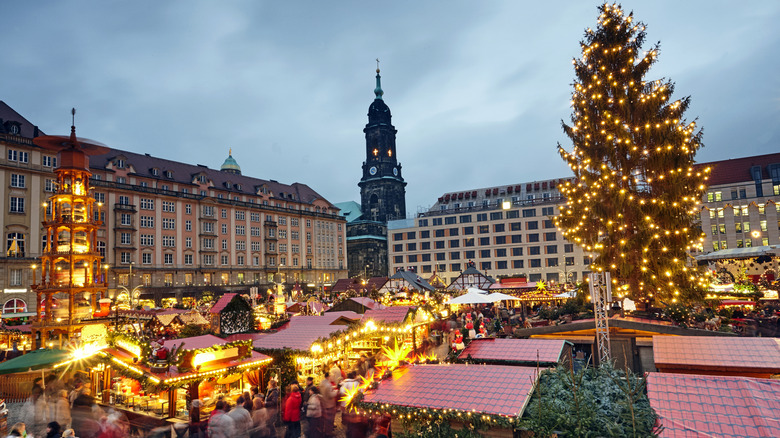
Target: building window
[146, 258]
[168, 224]
[187, 259]
[124, 200]
[147, 239]
[15, 246]
[15, 279]
[147, 204]
[517, 264]
[17, 181]
[535, 263]
[188, 242]
[224, 260]
[17, 205]
[551, 249]
[485, 266]
[169, 241]
[168, 206]
[500, 240]
[168, 259]
[19, 156]
[529, 212]
[14, 305]
[516, 252]
[48, 161]
[124, 258]
[533, 237]
[501, 252]
[147, 221]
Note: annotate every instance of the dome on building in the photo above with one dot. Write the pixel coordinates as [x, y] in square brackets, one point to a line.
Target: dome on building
[231, 165]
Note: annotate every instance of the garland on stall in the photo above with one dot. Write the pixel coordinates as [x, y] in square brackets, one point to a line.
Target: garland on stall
[422, 418]
[139, 341]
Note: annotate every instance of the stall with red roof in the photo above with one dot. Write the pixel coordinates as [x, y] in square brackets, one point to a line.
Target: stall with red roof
[160, 377]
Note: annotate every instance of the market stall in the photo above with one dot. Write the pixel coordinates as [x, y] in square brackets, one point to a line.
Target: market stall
[160, 378]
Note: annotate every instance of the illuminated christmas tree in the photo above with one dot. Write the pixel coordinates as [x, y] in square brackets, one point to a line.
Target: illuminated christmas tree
[636, 194]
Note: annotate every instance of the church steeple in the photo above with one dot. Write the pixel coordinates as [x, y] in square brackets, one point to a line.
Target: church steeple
[382, 187]
[378, 90]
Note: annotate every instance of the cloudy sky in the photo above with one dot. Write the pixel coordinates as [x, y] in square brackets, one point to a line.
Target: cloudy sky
[477, 88]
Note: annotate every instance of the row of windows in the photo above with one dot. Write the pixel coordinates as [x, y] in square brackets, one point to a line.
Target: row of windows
[482, 241]
[741, 210]
[490, 265]
[483, 254]
[207, 259]
[741, 243]
[481, 229]
[740, 227]
[483, 217]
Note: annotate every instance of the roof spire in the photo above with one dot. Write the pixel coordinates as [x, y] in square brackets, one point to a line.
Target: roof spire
[230, 151]
[378, 90]
[73, 126]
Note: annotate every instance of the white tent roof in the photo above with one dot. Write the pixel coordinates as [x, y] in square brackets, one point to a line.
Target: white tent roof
[498, 296]
[476, 291]
[471, 298]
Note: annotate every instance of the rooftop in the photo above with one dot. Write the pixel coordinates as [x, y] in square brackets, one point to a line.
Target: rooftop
[717, 354]
[531, 351]
[388, 315]
[485, 389]
[301, 332]
[693, 406]
[737, 170]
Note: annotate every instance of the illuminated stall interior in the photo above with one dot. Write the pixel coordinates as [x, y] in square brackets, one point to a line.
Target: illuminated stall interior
[144, 377]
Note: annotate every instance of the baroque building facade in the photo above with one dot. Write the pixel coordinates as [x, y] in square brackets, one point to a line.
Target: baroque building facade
[170, 229]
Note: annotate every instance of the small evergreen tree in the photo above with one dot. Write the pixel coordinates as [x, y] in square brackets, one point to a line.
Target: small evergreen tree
[636, 192]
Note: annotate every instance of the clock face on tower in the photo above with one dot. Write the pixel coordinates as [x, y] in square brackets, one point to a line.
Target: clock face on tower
[372, 170]
[395, 171]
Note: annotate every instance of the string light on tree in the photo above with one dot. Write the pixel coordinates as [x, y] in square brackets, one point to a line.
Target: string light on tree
[636, 193]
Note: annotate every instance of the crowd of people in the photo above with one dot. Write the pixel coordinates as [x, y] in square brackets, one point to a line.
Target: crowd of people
[303, 410]
[58, 408]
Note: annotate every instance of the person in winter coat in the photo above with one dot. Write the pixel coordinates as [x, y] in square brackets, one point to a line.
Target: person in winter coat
[60, 409]
[242, 420]
[272, 404]
[260, 427]
[195, 424]
[220, 424]
[314, 412]
[292, 413]
[328, 406]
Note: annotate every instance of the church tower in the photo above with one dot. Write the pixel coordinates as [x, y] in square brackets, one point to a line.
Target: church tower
[382, 187]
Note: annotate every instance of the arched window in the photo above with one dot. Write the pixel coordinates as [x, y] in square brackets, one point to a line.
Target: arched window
[14, 305]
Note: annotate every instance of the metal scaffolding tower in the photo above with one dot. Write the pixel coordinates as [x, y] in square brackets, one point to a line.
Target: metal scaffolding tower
[601, 296]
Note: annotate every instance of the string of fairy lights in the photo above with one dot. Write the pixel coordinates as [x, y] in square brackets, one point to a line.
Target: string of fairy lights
[633, 156]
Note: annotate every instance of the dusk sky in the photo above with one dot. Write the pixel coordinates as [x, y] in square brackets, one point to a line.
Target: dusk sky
[477, 89]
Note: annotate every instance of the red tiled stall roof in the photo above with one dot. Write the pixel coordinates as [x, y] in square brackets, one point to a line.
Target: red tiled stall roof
[222, 302]
[485, 389]
[690, 405]
[368, 302]
[717, 353]
[302, 331]
[388, 315]
[545, 351]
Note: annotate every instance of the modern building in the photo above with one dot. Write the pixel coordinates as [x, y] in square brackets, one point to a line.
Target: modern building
[170, 229]
[382, 193]
[504, 230]
[741, 208]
